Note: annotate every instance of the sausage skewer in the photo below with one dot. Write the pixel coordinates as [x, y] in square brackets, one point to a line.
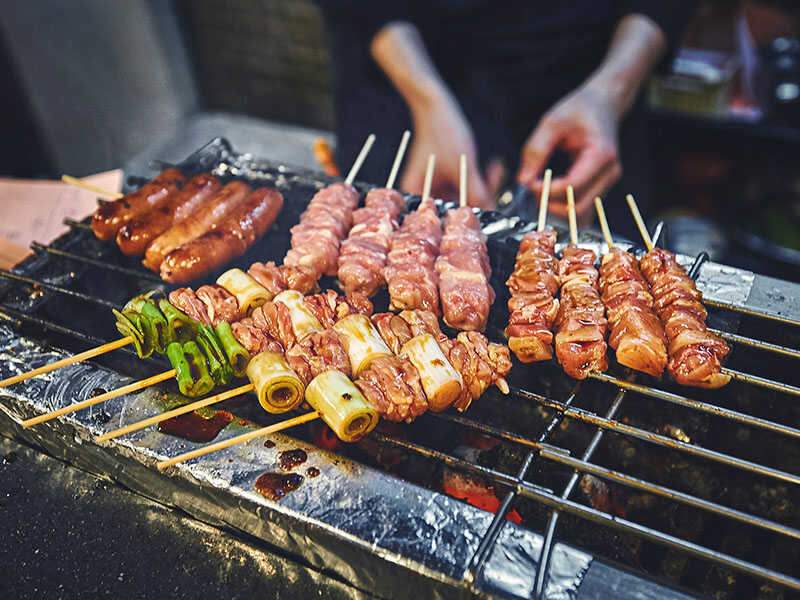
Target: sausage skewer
[695, 354]
[463, 266]
[581, 324]
[636, 333]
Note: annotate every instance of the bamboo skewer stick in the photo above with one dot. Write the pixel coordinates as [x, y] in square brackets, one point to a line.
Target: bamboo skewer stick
[462, 183]
[398, 158]
[181, 410]
[238, 439]
[362, 155]
[601, 216]
[426, 186]
[126, 389]
[543, 201]
[639, 222]
[573, 222]
[92, 188]
[70, 360]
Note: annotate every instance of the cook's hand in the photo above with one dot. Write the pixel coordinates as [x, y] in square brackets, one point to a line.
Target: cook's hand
[584, 124]
[443, 130]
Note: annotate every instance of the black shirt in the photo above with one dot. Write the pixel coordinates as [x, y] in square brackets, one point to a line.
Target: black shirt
[506, 62]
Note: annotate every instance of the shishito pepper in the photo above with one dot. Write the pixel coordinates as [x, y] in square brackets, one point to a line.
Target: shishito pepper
[133, 310]
[190, 367]
[183, 372]
[157, 324]
[203, 382]
[218, 365]
[182, 327]
[130, 326]
[238, 357]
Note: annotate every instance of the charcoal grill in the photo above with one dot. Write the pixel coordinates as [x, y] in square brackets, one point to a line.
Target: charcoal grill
[699, 489]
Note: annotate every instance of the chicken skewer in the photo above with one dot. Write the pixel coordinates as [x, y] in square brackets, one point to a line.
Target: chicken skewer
[362, 255]
[581, 325]
[636, 333]
[127, 340]
[533, 285]
[463, 266]
[695, 354]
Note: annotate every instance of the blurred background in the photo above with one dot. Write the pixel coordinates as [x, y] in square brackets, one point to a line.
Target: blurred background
[93, 85]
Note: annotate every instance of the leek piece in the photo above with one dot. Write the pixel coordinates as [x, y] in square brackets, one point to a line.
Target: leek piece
[277, 386]
[341, 405]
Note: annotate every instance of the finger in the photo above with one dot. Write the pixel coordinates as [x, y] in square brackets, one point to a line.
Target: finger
[412, 179]
[536, 152]
[477, 190]
[589, 164]
[494, 175]
[584, 208]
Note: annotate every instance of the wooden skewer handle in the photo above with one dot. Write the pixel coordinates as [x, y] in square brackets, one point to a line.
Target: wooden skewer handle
[426, 186]
[76, 358]
[351, 176]
[181, 410]
[239, 439]
[544, 200]
[637, 216]
[398, 158]
[601, 216]
[462, 181]
[126, 389]
[88, 186]
[573, 222]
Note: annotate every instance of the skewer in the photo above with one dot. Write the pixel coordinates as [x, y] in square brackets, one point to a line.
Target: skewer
[70, 360]
[398, 158]
[181, 410]
[426, 186]
[126, 389]
[601, 216]
[239, 439]
[92, 188]
[573, 222]
[639, 222]
[351, 176]
[462, 184]
[548, 174]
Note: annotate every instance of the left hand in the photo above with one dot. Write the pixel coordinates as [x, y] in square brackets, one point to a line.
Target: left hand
[585, 124]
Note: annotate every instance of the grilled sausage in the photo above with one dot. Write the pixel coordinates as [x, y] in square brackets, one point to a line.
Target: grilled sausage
[226, 241]
[134, 237]
[227, 199]
[109, 218]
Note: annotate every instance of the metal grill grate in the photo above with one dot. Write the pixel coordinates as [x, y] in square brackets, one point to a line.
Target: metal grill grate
[45, 272]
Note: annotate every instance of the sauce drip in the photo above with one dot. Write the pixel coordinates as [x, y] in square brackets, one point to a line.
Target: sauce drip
[312, 472]
[289, 459]
[195, 428]
[276, 485]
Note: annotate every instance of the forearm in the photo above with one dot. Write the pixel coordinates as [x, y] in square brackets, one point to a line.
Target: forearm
[399, 50]
[636, 48]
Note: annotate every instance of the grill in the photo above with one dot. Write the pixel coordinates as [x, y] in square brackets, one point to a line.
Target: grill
[700, 495]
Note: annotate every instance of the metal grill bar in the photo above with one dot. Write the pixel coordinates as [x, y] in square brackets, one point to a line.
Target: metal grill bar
[763, 382]
[697, 405]
[657, 439]
[140, 273]
[481, 554]
[746, 341]
[72, 224]
[750, 312]
[57, 288]
[653, 488]
[549, 538]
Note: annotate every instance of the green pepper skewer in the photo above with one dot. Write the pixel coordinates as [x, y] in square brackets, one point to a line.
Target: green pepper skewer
[182, 327]
[238, 357]
[183, 371]
[203, 382]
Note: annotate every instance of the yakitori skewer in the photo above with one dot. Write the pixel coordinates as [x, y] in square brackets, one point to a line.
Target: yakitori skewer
[92, 188]
[695, 353]
[126, 340]
[581, 324]
[126, 389]
[70, 360]
[636, 333]
[239, 439]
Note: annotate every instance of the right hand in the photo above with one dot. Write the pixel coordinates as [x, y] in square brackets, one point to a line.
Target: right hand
[441, 129]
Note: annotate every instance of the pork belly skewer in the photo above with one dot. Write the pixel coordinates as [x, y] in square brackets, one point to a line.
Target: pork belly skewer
[410, 274]
[581, 324]
[695, 354]
[463, 266]
[533, 285]
[636, 332]
[317, 237]
[362, 256]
